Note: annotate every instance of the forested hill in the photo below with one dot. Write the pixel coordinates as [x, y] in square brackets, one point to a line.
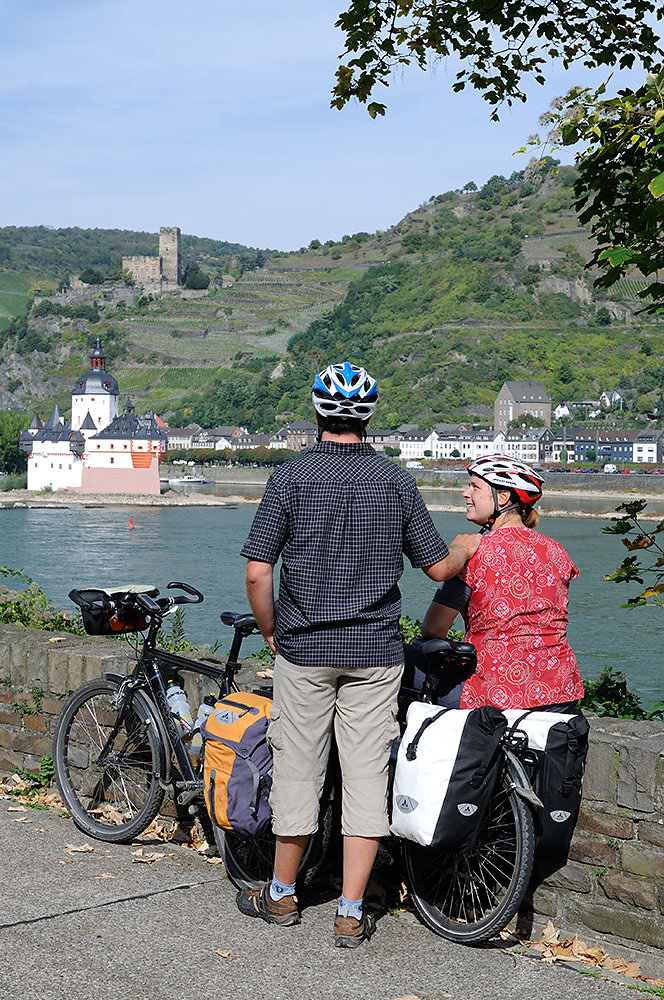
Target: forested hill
[57, 253]
[473, 287]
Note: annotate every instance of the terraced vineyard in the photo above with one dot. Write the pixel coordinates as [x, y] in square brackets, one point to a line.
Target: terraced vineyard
[256, 316]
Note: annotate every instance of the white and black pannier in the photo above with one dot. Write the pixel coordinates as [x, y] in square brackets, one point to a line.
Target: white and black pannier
[557, 747]
[447, 766]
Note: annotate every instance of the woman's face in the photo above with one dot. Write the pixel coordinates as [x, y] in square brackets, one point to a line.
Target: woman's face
[479, 500]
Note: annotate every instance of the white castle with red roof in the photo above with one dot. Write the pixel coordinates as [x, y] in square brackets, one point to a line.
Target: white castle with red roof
[98, 451]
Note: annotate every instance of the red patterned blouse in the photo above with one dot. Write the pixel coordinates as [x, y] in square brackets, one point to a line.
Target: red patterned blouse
[516, 616]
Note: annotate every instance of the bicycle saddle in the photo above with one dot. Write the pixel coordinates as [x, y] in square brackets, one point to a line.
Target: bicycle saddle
[239, 620]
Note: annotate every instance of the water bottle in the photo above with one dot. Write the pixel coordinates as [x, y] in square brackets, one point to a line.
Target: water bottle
[179, 706]
[206, 708]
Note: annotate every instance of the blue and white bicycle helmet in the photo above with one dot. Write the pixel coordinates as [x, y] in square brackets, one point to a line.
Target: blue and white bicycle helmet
[344, 390]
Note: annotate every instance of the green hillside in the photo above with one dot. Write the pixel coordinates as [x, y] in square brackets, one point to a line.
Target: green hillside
[471, 288]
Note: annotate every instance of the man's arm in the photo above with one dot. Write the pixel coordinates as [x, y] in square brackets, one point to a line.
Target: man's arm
[461, 550]
[260, 591]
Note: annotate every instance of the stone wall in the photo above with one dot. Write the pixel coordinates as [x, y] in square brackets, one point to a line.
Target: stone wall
[145, 271]
[611, 890]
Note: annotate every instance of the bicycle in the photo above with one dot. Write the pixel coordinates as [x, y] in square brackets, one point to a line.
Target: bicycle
[118, 748]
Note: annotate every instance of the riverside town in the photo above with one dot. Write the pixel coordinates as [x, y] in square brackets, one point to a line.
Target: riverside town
[332, 509]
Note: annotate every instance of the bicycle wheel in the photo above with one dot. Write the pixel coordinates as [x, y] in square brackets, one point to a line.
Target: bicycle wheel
[117, 799]
[470, 896]
[250, 860]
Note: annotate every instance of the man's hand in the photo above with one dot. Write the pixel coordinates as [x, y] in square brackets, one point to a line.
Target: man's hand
[469, 543]
[260, 591]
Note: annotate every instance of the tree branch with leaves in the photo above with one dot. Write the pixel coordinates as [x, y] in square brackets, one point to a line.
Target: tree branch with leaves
[620, 185]
[498, 44]
[641, 539]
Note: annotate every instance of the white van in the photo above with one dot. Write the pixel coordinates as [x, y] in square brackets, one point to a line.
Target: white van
[609, 467]
[412, 464]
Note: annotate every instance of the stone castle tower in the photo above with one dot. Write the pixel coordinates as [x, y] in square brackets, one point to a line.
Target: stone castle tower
[161, 273]
[169, 251]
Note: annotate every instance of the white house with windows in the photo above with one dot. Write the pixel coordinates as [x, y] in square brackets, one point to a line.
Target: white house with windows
[418, 444]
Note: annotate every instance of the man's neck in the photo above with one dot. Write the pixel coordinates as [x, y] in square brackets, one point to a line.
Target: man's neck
[348, 438]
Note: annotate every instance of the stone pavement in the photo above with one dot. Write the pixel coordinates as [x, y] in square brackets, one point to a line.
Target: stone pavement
[102, 925]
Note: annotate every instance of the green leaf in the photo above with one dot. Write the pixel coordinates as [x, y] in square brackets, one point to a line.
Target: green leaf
[656, 186]
[617, 256]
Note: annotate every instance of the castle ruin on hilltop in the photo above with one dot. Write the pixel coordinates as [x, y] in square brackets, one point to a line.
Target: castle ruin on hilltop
[162, 273]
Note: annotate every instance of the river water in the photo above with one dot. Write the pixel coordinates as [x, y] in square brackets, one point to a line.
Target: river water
[93, 546]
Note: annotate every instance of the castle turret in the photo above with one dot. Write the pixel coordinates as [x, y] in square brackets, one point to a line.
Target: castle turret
[169, 251]
[95, 394]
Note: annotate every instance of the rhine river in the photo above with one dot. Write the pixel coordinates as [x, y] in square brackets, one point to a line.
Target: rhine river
[93, 546]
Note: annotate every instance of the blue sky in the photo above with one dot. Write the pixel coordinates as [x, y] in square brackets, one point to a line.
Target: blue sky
[215, 117]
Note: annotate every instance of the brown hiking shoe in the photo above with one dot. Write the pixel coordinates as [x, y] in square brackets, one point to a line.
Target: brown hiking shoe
[259, 903]
[349, 932]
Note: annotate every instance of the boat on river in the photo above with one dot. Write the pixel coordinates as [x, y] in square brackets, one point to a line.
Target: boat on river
[188, 477]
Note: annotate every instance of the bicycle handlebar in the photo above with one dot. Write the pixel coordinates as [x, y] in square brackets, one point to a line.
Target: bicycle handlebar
[196, 596]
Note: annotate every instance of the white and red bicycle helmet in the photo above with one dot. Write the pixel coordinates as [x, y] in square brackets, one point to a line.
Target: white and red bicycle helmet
[504, 473]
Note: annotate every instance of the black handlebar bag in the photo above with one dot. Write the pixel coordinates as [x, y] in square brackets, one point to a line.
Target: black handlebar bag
[447, 767]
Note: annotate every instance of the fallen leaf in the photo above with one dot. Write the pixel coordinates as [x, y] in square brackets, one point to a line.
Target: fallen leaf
[215, 861]
[23, 819]
[16, 809]
[228, 954]
[58, 638]
[411, 996]
[550, 935]
[267, 674]
[148, 858]
[83, 849]
[106, 875]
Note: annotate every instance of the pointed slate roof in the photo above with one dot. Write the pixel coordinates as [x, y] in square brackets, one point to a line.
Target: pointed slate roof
[88, 424]
[36, 423]
[55, 420]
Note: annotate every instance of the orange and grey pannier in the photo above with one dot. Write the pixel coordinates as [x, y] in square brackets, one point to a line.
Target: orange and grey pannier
[237, 772]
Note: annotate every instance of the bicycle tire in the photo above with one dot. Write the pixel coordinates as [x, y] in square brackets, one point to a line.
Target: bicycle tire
[249, 861]
[468, 897]
[117, 800]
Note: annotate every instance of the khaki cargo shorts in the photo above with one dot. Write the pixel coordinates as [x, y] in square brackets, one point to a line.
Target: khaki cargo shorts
[360, 705]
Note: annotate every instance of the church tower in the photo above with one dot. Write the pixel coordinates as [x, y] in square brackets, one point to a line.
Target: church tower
[95, 395]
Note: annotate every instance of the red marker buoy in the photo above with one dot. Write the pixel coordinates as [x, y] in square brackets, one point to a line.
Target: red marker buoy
[131, 524]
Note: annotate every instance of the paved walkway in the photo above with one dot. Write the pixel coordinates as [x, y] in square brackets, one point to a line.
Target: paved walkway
[104, 925]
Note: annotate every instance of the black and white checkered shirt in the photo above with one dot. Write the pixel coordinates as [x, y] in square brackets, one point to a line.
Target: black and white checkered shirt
[341, 517]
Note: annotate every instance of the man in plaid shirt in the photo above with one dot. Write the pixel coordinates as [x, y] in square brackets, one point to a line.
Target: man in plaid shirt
[341, 517]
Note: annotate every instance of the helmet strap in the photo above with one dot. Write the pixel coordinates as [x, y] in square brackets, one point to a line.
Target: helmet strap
[497, 511]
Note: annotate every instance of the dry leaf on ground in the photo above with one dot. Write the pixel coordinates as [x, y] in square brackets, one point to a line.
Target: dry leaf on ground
[215, 861]
[106, 875]
[81, 849]
[552, 948]
[17, 809]
[267, 674]
[147, 858]
[23, 819]
[228, 954]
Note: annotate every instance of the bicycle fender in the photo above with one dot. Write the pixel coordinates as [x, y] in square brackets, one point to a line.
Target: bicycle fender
[522, 786]
[151, 712]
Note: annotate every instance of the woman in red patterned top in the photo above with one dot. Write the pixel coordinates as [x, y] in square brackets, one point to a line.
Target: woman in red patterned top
[513, 597]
